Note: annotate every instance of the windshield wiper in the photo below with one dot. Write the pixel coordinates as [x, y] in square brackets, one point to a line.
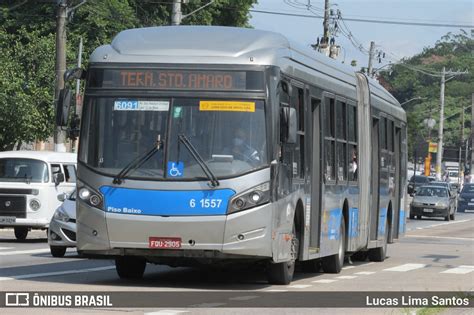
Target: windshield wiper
[137, 162]
[212, 178]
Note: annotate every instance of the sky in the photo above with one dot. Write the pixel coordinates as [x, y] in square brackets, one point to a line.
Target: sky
[397, 41]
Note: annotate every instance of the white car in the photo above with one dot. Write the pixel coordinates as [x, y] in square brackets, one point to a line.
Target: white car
[62, 228]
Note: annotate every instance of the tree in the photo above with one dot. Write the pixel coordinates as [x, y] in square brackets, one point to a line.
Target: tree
[407, 80]
[27, 42]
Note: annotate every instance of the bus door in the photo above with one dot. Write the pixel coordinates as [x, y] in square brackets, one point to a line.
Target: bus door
[398, 188]
[374, 179]
[316, 174]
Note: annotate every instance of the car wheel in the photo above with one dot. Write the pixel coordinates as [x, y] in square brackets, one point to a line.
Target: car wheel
[58, 251]
[282, 273]
[21, 233]
[448, 216]
[412, 216]
[130, 267]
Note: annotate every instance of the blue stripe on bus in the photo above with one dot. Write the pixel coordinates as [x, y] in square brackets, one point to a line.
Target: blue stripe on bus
[334, 224]
[401, 222]
[382, 220]
[353, 222]
[166, 202]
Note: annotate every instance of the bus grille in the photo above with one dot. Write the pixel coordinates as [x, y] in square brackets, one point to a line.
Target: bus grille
[13, 206]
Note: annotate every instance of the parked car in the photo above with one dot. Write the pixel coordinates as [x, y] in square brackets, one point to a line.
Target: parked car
[29, 184]
[417, 181]
[466, 198]
[62, 228]
[433, 201]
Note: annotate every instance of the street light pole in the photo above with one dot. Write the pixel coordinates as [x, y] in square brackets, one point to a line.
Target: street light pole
[439, 155]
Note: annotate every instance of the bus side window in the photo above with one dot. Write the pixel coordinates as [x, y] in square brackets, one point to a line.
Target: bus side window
[69, 173]
[329, 140]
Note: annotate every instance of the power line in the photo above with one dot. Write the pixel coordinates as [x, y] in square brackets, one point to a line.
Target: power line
[367, 20]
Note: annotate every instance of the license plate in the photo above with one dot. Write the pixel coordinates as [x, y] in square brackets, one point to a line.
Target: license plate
[7, 220]
[164, 242]
[427, 210]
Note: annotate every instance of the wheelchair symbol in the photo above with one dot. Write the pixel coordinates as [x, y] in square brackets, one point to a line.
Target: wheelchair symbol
[175, 169]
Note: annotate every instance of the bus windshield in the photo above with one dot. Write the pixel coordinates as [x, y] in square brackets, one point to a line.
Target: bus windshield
[23, 170]
[229, 135]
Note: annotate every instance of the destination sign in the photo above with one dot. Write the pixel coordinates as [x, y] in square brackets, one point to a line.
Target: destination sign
[165, 79]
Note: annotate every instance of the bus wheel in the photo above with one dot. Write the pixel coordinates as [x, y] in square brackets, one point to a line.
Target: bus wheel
[282, 273]
[58, 251]
[21, 233]
[334, 263]
[379, 253]
[130, 267]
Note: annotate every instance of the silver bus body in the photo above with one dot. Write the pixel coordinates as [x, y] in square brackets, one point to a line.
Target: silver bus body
[372, 205]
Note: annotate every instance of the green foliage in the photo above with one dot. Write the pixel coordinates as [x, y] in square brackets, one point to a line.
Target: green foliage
[27, 43]
[411, 79]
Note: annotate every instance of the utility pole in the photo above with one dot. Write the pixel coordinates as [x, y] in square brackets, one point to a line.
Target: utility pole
[176, 14]
[371, 58]
[439, 155]
[60, 134]
[326, 23]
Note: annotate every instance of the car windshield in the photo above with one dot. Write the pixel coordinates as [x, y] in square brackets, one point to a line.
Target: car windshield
[468, 189]
[229, 135]
[419, 179]
[23, 170]
[432, 192]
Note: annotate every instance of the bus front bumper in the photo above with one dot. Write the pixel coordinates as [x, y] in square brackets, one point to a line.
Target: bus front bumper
[242, 234]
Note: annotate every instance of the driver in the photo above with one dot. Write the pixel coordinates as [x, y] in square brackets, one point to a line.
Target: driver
[242, 149]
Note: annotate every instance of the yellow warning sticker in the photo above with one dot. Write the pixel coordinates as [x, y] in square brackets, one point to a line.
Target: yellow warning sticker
[227, 106]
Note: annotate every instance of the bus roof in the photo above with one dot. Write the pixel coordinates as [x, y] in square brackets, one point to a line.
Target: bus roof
[47, 156]
[231, 45]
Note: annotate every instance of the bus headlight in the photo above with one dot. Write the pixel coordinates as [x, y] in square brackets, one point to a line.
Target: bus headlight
[35, 204]
[255, 196]
[91, 197]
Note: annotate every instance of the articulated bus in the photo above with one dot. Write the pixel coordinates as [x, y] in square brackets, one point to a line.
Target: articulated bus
[214, 145]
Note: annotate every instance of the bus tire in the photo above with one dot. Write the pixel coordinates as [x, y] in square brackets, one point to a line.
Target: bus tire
[57, 251]
[334, 263]
[282, 273]
[130, 267]
[21, 233]
[379, 253]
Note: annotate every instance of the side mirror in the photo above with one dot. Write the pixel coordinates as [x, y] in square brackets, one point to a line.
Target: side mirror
[58, 178]
[62, 197]
[76, 73]
[288, 127]
[62, 108]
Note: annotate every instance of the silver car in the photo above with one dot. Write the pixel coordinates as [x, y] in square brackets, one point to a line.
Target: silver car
[433, 201]
[62, 228]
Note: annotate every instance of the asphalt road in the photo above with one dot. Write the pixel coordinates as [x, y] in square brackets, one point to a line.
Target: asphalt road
[434, 255]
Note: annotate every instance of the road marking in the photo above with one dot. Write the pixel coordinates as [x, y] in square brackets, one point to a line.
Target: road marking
[365, 273]
[348, 267]
[207, 305]
[166, 312]
[435, 225]
[346, 277]
[22, 252]
[244, 298]
[299, 286]
[442, 237]
[460, 270]
[3, 248]
[276, 290]
[55, 273]
[406, 267]
[324, 281]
